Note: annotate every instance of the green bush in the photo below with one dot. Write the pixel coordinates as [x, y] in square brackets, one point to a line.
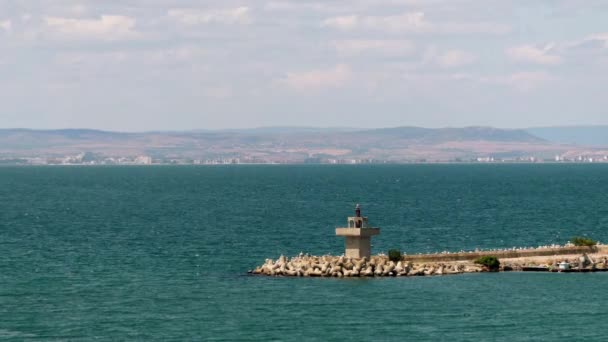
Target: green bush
[583, 241]
[394, 255]
[489, 261]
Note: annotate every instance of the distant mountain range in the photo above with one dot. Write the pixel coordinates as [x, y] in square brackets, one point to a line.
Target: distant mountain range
[309, 144]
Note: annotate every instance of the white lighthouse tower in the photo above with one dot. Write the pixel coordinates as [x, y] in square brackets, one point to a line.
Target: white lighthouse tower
[358, 235]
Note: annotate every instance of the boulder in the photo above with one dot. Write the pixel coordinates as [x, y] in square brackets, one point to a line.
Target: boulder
[379, 269]
[440, 270]
[414, 271]
[348, 273]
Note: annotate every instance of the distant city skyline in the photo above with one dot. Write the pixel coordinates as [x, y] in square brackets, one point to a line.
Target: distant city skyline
[150, 65]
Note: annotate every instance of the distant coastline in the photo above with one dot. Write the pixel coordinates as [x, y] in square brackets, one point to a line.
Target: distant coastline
[4, 163]
[284, 145]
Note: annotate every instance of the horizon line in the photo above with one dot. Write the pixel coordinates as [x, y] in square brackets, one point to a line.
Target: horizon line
[303, 127]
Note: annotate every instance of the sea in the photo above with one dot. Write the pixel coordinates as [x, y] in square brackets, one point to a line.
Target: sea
[161, 253]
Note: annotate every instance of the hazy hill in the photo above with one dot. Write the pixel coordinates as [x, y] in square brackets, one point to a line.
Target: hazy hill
[27, 139]
[439, 135]
[579, 135]
[287, 144]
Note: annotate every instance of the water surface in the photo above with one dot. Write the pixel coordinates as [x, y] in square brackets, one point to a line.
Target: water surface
[161, 253]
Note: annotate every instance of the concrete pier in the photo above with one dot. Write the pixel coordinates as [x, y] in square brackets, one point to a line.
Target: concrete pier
[507, 254]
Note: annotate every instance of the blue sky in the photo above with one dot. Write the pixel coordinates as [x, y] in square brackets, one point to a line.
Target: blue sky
[134, 65]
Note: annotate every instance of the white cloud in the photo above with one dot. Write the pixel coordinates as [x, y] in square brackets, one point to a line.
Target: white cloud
[296, 6]
[6, 25]
[594, 43]
[472, 27]
[184, 53]
[413, 22]
[533, 54]
[180, 55]
[107, 27]
[319, 79]
[529, 80]
[455, 58]
[599, 37]
[359, 6]
[239, 15]
[522, 80]
[391, 48]
[77, 10]
[348, 22]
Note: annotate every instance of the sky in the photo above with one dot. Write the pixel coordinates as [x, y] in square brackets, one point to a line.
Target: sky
[138, 65]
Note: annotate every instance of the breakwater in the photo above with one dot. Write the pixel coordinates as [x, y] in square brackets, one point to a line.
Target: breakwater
[542, 259]
[506, 253]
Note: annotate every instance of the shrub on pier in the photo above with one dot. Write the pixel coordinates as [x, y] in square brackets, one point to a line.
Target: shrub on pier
[489, 261]
[394, 255]
[583, 241]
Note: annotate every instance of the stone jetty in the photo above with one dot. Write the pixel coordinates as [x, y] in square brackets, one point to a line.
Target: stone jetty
[578, 259]
[375, 266]
[357, 261]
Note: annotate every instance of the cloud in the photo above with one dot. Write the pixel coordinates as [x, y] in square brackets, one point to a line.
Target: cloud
[345, 23]
[528, 80]
[455, 58]
[592, 44]
[182, 56]
[522, 80]
[296, 6]
[533, 54]
[107, 27]
[599, 37]
[410, 22]
[6, 25]
[239, 15]
[319, 79]
[390, 48]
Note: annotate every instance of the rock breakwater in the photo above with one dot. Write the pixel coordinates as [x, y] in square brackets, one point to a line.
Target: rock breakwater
[541, 259]
[376, 266]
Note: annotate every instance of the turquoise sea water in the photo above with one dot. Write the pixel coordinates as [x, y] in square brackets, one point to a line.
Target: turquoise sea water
[161, 253]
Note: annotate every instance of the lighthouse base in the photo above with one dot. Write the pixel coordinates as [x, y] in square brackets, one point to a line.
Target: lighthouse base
[357, 247]
[357, 241]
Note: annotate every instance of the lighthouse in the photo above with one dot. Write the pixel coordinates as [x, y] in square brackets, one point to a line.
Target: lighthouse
[357, 235]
